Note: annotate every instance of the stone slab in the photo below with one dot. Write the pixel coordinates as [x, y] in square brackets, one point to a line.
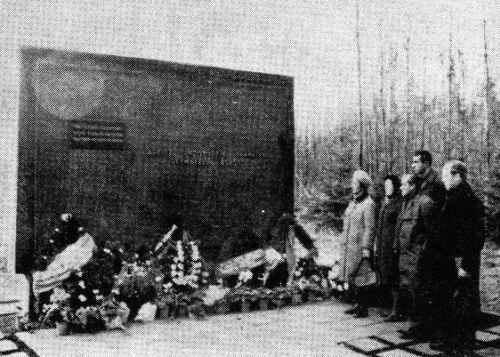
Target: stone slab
[488, 352]
[425, 349]
[367, 344]
[6, 345]
[495, 329]
[486, 337]
[394, 337]
[397, 353]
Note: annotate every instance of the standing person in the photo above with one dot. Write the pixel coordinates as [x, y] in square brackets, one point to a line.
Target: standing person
[463, 238]
[429, 182]
[358, 234]
[414, 229]
[386, 257]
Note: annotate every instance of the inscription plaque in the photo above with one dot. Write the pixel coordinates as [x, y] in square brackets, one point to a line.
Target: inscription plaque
[96, 135]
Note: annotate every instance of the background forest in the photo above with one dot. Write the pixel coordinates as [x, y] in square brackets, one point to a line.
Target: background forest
[400, 115]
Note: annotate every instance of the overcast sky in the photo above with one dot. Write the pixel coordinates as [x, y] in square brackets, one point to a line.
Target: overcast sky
[310, 40]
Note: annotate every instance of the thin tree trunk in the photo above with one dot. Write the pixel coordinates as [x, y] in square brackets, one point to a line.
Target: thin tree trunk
[451, 75]
[360, 98]
[424, 105]
[406, 140]
[488, 121]
[461, 111]
[382, 107]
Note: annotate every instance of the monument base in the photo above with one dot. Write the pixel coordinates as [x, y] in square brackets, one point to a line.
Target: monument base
[14, 300]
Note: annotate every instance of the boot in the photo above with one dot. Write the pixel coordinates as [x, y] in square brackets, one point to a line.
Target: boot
[352, 310]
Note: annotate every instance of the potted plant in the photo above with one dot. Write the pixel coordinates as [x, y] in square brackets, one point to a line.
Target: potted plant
[264, 296]
[280, 297]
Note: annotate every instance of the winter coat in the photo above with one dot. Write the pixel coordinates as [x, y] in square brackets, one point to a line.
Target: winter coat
[414, 228]
[462, 225]
[432, 186]
[358, 233]
[384, 253]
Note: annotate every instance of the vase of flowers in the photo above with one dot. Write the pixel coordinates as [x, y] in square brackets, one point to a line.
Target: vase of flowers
[296, 297]
[222, 307]
[245, 305]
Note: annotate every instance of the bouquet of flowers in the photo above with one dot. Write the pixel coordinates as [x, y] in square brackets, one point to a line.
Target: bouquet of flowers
[337, 285]
[309, 278]
[244, 278]
[114, 313]
[281, 295]
[135, 285]
[58, 310]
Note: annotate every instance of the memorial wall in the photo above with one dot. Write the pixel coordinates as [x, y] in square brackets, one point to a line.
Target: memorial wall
[126, 143]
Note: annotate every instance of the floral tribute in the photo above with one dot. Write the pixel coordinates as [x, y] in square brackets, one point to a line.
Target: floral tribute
[310, 278]
[182, 279]
[79, 300]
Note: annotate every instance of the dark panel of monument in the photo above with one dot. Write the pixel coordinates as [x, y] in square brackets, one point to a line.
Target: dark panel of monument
[124, 143]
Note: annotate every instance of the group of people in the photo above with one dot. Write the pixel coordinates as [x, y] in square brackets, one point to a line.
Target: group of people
[426, 242]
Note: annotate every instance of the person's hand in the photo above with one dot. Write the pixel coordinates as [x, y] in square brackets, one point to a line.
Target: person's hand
[366, 253]
[462, 273]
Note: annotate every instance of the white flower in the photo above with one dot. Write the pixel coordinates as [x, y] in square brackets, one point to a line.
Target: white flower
[107, 251]
[197, 265]
[82, 298]
[95, 291]
[99, 297]
[81, 284]
[148, 262]
[346, 286]
[173, 266]
[245, 276]
[79, 273]
[297, 273]
[158, 279]
[57, 230]
[115, 291]
[167, 286]
[51, 241]
[205, 274]
[65, 217]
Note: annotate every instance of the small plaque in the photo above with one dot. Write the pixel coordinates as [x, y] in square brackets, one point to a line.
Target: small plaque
[97, 135]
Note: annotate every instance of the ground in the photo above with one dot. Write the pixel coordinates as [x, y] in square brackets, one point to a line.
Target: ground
[313, 329]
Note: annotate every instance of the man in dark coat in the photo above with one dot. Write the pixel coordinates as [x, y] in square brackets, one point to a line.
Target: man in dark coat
[413, 232]
[462, 233]
[429, 182]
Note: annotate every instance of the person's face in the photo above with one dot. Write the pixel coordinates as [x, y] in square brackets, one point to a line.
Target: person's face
[406, 188]
[388, 187]
[450, 180]
[355, 186]
[418, 166]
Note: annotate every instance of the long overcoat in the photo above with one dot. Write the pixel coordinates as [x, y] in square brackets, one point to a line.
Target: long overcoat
[385, 257]
[415, 227]
[358, 233]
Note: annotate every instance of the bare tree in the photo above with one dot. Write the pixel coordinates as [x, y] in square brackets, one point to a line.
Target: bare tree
[360, 98]
[451, 78]
[406, 140]
[489, 117]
